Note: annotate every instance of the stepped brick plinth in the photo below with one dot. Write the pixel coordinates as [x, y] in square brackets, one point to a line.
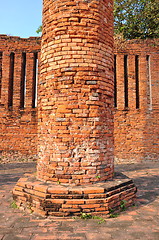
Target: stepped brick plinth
[64, 200]
[75, 114]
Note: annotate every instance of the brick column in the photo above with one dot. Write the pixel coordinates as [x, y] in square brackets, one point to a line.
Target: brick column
[5, 78]
[76, 92]
[17, 79]
[120, 81]
[29, 79]
[75, 120]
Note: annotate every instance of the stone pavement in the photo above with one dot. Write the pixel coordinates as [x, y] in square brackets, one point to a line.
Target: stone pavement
[138, 222]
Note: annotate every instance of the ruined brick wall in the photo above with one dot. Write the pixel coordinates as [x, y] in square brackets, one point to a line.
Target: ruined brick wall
[136, 101]
[18, 76]
[136, 98]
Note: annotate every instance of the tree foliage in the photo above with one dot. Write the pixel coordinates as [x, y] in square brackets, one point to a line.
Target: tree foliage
[39, 30]
[136, 18]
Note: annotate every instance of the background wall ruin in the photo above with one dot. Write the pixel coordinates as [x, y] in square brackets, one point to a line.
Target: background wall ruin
[18, 114]
[136, 125]
[136, 99]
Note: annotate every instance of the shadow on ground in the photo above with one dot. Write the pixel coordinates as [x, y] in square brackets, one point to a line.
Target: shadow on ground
[145, 178]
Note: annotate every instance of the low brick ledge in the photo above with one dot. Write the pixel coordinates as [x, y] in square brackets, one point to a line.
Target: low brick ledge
[50, 199]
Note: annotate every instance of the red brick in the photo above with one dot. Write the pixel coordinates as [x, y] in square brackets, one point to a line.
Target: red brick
[56, 190]
[91, 206]
[75, 201]
[93, 190]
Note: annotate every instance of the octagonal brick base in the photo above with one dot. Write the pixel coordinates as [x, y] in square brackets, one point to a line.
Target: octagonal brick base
[63, 200]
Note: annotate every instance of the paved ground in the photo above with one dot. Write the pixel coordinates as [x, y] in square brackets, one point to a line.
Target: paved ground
[138, 222]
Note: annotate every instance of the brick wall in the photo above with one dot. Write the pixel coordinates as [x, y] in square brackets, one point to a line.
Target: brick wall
[136, 101]
[136, 114]
[18, 75]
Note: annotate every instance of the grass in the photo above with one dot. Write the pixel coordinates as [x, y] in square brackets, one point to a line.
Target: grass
[89, 216]
[123, 205]
[13, 205]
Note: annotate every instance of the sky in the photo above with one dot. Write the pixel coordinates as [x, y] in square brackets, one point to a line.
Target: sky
[20, 17]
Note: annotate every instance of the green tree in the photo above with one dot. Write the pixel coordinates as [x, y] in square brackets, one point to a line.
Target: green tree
[136, 18]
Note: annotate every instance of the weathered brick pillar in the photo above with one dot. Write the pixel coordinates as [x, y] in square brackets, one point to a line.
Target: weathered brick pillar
[76, 92]
[75, 120]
